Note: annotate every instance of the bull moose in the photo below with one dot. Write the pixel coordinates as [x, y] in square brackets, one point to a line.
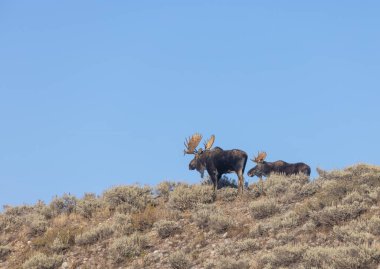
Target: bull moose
[264, 168]
[215, 161]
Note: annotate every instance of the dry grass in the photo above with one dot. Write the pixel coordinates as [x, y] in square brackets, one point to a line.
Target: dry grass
[231, 263]
[166, 228]
[4, 251]
[263, 208]
[289, 222]
[345, 257]
[179, 260]
[42, 261]
[227, 194]
[208, 216]
[164, 188]
[93, 235]
[89, 205]
[128, 199]
[185, 196]
[127, 247]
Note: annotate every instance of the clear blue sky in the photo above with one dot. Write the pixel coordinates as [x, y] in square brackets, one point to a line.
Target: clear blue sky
[95, 94]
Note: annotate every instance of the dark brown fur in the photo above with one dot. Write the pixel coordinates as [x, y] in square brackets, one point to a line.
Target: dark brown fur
[266, 168]
[218, 162]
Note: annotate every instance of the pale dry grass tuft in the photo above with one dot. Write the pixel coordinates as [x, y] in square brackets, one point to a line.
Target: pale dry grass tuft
[128, 199]
[41, 261]
[127, 247]
[208, 216]
[100, 232]
[188, 196]
[179, 260]
[166, 228]
[263, 208]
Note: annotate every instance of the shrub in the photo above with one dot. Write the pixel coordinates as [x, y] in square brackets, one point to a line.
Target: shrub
[355, 196]
[41, 261]
[227, 194]
[179, 260]
[122, 224]
[88, 205]
[308, 227]
[164, 188]
[127, 247]
[219, 223]
[282, 256]
[331, 193]
[207, 216]
[65, 233]
[13, 218]
[374, 225]
[59, 245]
[98, 233]
[65, 204]
[224, 182]
[349, 234]
[166, 228]
[127, 199]
[4, 251]
[36, 224]
[247, 245]
[285, 188]
[343, 257]
[28, 216]
[144, 220]
[309, 189]
[263, 208]
[290, 220]
[332, 215]
[202, 215]
[230, 263]
[374, 194]
[186, 197]
[259, 230]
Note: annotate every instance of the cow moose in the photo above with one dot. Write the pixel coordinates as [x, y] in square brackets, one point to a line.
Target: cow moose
[264, 168]
[215, 161]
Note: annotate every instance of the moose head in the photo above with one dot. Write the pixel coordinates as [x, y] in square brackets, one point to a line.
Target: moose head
[258, 169]
[191, 144]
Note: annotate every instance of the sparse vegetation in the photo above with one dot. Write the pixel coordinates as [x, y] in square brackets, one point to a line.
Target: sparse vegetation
[127, 247]
[207, 216]
[128, 199]
[179, 260]
[164, 188]
[263, 208]
[65, 204]
[4, 251]
[42, 261]
[89, 205]
[93, 235]
[186, 197]
[166, 228]
[122, 224]
[230, 263]
[227, 194]
[290, 222]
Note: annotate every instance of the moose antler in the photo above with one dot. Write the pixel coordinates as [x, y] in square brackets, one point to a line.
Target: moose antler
[208, 144]
[191, 143]
[260, 157]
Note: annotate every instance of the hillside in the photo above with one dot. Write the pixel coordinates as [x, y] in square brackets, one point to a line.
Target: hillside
[285, 222]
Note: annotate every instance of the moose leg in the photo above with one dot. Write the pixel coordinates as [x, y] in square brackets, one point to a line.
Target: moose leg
[261, 184]
[241, 181]
[215, 178]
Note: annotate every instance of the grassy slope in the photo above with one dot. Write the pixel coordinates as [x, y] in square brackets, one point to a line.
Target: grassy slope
[287, 222]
